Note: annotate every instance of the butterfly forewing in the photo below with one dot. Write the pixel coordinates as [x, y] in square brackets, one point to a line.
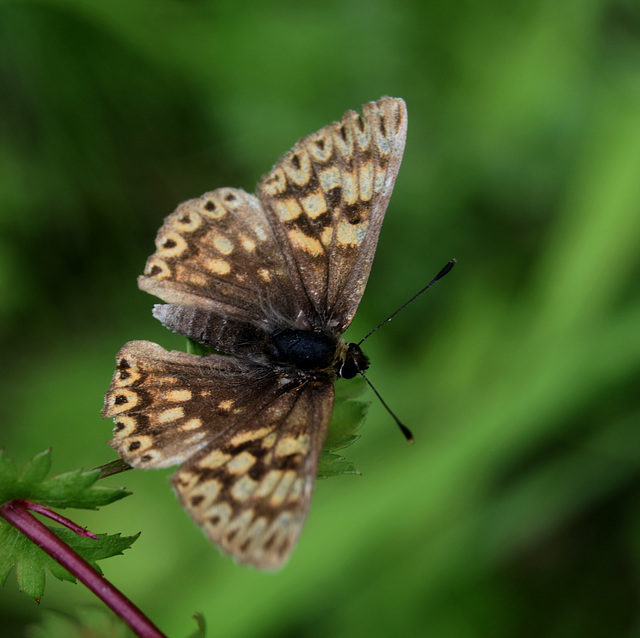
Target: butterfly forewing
[252, 277]
[326, 200]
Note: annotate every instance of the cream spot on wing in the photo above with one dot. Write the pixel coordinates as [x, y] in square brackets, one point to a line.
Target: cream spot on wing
[203, 495]
[261, 233]
[297, 166]
[290, 445]
[287, 209]
[178, 395]
[184, 480]
[125, 377]
[225, 405]
[269, 440]
[320, 147]
[218, 515]
[243, 488]
[166, 416]
[326, 236]
[264, 274]
[121, 400]
[223, 245]
[192, 424]
[217, 266]
[137, 444]
[250, 435]
[314, 205]
[167, 380]
[213, 460]
[366, 182]
[247, 243]
[211, 209]
[343, 138]
[241, 463]
[124, 426]
[187, 221]
[275, 183]
[378, 182]
[296, 490]
[302, 242]
[195, 278]
[349, 188]
[170, 245]
[157, 268]
[268, 483]
[363, 137]
[330, 179]
[281, 491]
[352, 234]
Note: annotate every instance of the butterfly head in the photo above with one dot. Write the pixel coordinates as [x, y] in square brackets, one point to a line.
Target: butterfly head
[353, 361]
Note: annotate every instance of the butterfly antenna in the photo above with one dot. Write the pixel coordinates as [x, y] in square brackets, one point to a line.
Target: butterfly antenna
[440, 275]
[403, 428]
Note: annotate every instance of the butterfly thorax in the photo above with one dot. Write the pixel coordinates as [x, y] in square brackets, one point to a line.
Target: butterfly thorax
[316, 351]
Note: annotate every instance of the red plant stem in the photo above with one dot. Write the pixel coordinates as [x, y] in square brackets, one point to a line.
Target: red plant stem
[15, 513]
[54, 516]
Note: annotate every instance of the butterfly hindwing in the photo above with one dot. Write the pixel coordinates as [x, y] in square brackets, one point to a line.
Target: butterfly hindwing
[248, 443]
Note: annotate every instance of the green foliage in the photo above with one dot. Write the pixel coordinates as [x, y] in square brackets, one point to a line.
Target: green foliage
[74, 489]
[347, 418]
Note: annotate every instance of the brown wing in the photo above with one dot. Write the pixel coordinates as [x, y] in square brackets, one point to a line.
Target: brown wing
[301, 252]
[326, 200]
[218, 253]
[248, 442]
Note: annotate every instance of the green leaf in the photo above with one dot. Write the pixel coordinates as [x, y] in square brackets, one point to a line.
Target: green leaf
[31, 561]
[193, 347]
[347, 418]
[72, 489]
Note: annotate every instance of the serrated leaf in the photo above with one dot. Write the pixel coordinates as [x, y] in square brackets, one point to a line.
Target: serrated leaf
[347, 418]
[37, 468]
[332, 465]
[31, 561]
[72, 489]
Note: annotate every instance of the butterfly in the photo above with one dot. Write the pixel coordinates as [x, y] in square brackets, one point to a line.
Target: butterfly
[270, 282]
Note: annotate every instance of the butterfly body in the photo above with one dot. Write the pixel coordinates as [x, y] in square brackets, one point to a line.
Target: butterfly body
[273, 280]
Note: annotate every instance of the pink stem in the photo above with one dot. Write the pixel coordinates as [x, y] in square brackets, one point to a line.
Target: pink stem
[16, 513]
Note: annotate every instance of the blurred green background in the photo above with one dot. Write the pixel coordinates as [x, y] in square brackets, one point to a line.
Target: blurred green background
[517, 511]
